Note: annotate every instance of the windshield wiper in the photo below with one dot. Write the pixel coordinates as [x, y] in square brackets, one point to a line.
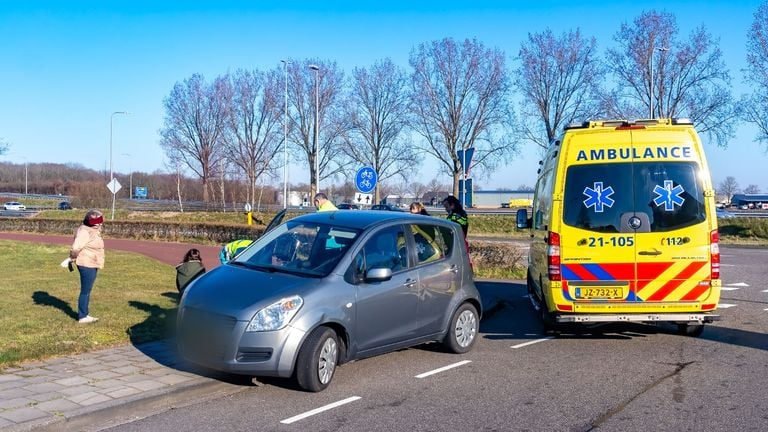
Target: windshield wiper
[268, 269]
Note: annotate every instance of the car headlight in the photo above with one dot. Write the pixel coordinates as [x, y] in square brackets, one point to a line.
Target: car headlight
[275, 316]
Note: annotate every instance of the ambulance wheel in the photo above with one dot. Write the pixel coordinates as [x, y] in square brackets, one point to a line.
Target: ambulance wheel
[548, 320]
[693, 330]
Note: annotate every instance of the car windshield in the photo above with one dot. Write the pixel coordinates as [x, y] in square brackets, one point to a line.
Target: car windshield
[597, 196]
[299, 247]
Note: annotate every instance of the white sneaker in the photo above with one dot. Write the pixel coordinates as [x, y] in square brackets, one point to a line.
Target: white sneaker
[87, 320]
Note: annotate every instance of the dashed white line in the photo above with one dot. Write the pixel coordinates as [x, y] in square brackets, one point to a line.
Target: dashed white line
[727, 265]
[728, 288]
[725, 305]
[525, 344]
[737, 284]
[319, 410]
[443, 369]
[764, 291]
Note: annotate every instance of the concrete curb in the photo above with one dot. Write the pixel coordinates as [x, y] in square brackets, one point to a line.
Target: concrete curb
[120, 411]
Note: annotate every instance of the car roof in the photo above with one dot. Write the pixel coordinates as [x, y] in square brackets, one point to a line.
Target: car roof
[366, 218]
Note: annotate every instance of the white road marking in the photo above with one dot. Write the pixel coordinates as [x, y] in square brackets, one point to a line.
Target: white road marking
[319, 410]
[728, 288]
[442, 369]
[737, 284]
[764, 291]
[727, 265]
[525, 344]
[725, 305]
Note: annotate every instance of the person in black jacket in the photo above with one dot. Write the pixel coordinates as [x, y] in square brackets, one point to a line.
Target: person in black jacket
[189, 269]
[456, 213]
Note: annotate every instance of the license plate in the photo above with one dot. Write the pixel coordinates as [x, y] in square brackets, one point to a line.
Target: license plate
[606, 293]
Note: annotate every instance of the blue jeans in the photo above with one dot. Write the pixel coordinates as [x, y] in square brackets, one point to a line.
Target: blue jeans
[87, 278]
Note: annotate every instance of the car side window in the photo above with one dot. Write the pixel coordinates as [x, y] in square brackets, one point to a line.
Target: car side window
[385, 249]
[433, 242]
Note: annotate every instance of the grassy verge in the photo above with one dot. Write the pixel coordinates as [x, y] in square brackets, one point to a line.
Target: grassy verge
[134, 297]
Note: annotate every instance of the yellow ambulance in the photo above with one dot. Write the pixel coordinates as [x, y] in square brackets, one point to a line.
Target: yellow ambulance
[623, 227]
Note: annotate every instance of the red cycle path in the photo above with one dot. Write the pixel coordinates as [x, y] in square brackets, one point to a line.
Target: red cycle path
[166, 252]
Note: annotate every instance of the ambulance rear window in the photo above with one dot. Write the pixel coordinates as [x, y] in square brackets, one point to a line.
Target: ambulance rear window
[669, 193]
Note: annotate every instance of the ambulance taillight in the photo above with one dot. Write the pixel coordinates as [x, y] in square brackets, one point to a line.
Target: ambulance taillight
[553, 256]
[714, 253]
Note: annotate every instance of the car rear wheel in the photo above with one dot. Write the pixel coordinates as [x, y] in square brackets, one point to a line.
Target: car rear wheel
[463, 329]
[317, 360]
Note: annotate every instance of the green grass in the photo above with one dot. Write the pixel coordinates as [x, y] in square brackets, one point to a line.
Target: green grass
[134, 297]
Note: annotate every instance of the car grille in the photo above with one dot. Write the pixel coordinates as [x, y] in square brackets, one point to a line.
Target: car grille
[205, 335]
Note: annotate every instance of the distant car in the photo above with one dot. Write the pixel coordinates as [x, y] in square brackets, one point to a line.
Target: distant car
[65, 205]
[347, 206]
[328, 288]
[388, 207]
[722, 214]
[15, 206]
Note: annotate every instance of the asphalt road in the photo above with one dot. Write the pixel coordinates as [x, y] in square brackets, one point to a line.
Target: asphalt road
[613, 378]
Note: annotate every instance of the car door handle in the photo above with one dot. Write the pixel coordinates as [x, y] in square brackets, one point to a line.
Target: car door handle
[409, 283]
[653, 252]
[455, 269]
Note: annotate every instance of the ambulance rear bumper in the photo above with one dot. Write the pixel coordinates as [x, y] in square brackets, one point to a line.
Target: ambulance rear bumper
[680, 318]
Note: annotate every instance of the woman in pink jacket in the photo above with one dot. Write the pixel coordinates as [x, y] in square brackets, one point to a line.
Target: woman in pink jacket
[88, 253]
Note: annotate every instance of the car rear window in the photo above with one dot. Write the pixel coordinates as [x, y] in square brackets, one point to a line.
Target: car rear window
[598, 195]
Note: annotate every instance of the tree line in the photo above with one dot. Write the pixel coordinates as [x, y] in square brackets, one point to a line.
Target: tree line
[454, 95]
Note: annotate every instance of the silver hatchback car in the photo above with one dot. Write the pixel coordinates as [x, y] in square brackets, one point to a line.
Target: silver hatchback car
[326, 288]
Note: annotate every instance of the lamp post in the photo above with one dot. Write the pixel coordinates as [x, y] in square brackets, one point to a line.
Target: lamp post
[653, 115]
[111, 171]
[317, 123]
[285, 138]
[130, 182]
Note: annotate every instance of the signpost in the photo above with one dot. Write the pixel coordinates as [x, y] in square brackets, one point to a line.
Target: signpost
[114, 187]
[365, 182]
[465, 187]
[365, 199]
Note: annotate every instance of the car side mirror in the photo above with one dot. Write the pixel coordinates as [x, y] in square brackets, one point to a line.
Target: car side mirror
[378, 274]
[522, 219]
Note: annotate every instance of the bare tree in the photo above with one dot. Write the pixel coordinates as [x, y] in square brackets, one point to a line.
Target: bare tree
[417, 189]
[195, 118]
[524, 188]
[754, 106]
[728, 188]
[460, 99]
[378, 113]
[254, 133]
[332, 127]
[4, 146]
[752, 189]
[558, 78]
[662, 76]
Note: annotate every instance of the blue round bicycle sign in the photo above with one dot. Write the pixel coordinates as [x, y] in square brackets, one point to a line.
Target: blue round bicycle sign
[365, 180]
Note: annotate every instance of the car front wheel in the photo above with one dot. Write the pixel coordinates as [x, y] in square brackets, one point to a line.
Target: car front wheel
[317, 360]
[463, 329]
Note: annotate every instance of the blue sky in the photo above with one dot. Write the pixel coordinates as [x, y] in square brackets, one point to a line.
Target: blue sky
[66, 66]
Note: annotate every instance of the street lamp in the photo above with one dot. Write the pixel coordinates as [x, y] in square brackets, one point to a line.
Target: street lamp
[285, 138]
[111, 172]
[130, 183]
[653, 115]
[317, 124]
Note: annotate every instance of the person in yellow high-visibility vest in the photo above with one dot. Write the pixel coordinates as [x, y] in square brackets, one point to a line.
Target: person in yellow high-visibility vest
[231, 249]
[323, 204]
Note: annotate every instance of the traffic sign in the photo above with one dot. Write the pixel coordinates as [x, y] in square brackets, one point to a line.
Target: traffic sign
[365, 180]
[248, 207]
[114, 186]
[364, 199]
